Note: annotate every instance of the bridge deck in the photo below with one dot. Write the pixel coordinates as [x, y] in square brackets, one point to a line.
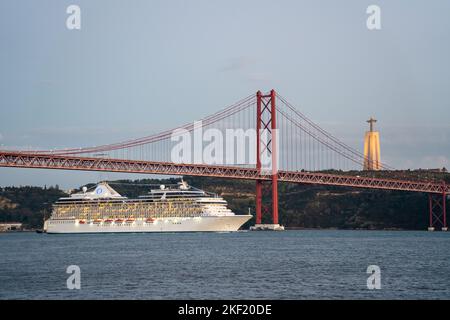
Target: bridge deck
[48, 161]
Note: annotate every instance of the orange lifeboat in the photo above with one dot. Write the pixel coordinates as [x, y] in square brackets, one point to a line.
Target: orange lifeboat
[118, 221]
[129, 220]
[149, 220]
[97, 220]
[109, 220]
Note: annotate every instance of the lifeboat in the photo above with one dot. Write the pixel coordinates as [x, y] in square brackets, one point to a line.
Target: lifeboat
[129, 220]
[81, 221]
[149, 220]
[97, 220]
[118, 221]
[108, 220]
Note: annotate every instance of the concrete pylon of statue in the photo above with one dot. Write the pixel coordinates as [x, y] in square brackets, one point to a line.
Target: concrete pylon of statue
[372, 160]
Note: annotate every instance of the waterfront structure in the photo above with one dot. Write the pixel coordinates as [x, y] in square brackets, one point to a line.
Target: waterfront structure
[10, 226]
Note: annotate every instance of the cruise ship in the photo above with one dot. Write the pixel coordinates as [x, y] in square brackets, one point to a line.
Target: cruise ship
[178, 208]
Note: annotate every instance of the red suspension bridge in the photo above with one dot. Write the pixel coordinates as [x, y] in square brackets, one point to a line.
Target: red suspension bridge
[297, 149]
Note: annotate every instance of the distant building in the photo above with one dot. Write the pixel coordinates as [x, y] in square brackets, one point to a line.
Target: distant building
[372, 159]
[10, 226]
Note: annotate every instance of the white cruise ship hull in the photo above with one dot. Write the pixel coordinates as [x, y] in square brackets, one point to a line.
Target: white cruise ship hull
[195, 224]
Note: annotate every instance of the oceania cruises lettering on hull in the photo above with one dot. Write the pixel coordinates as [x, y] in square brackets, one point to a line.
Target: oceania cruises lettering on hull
[179, 208]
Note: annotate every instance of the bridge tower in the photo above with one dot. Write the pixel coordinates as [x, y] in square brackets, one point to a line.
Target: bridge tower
[267, 150]
[437, 206]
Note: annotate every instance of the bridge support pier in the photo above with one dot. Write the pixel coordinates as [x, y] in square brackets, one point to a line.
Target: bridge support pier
[437, 208]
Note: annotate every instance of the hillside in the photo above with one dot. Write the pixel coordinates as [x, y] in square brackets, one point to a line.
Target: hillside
[27, 204]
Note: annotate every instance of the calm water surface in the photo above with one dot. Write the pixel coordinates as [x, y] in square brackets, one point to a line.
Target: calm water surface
[251, 265]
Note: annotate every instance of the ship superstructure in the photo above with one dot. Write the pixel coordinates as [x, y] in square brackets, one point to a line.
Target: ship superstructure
[165, 209]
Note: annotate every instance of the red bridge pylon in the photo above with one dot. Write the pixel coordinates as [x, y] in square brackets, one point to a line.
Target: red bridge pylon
[266, 144]
[437, 207]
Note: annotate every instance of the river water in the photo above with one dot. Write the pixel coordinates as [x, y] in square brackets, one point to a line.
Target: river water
[311, 264]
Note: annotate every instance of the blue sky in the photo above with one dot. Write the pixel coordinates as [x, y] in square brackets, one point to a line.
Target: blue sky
[138, 67]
